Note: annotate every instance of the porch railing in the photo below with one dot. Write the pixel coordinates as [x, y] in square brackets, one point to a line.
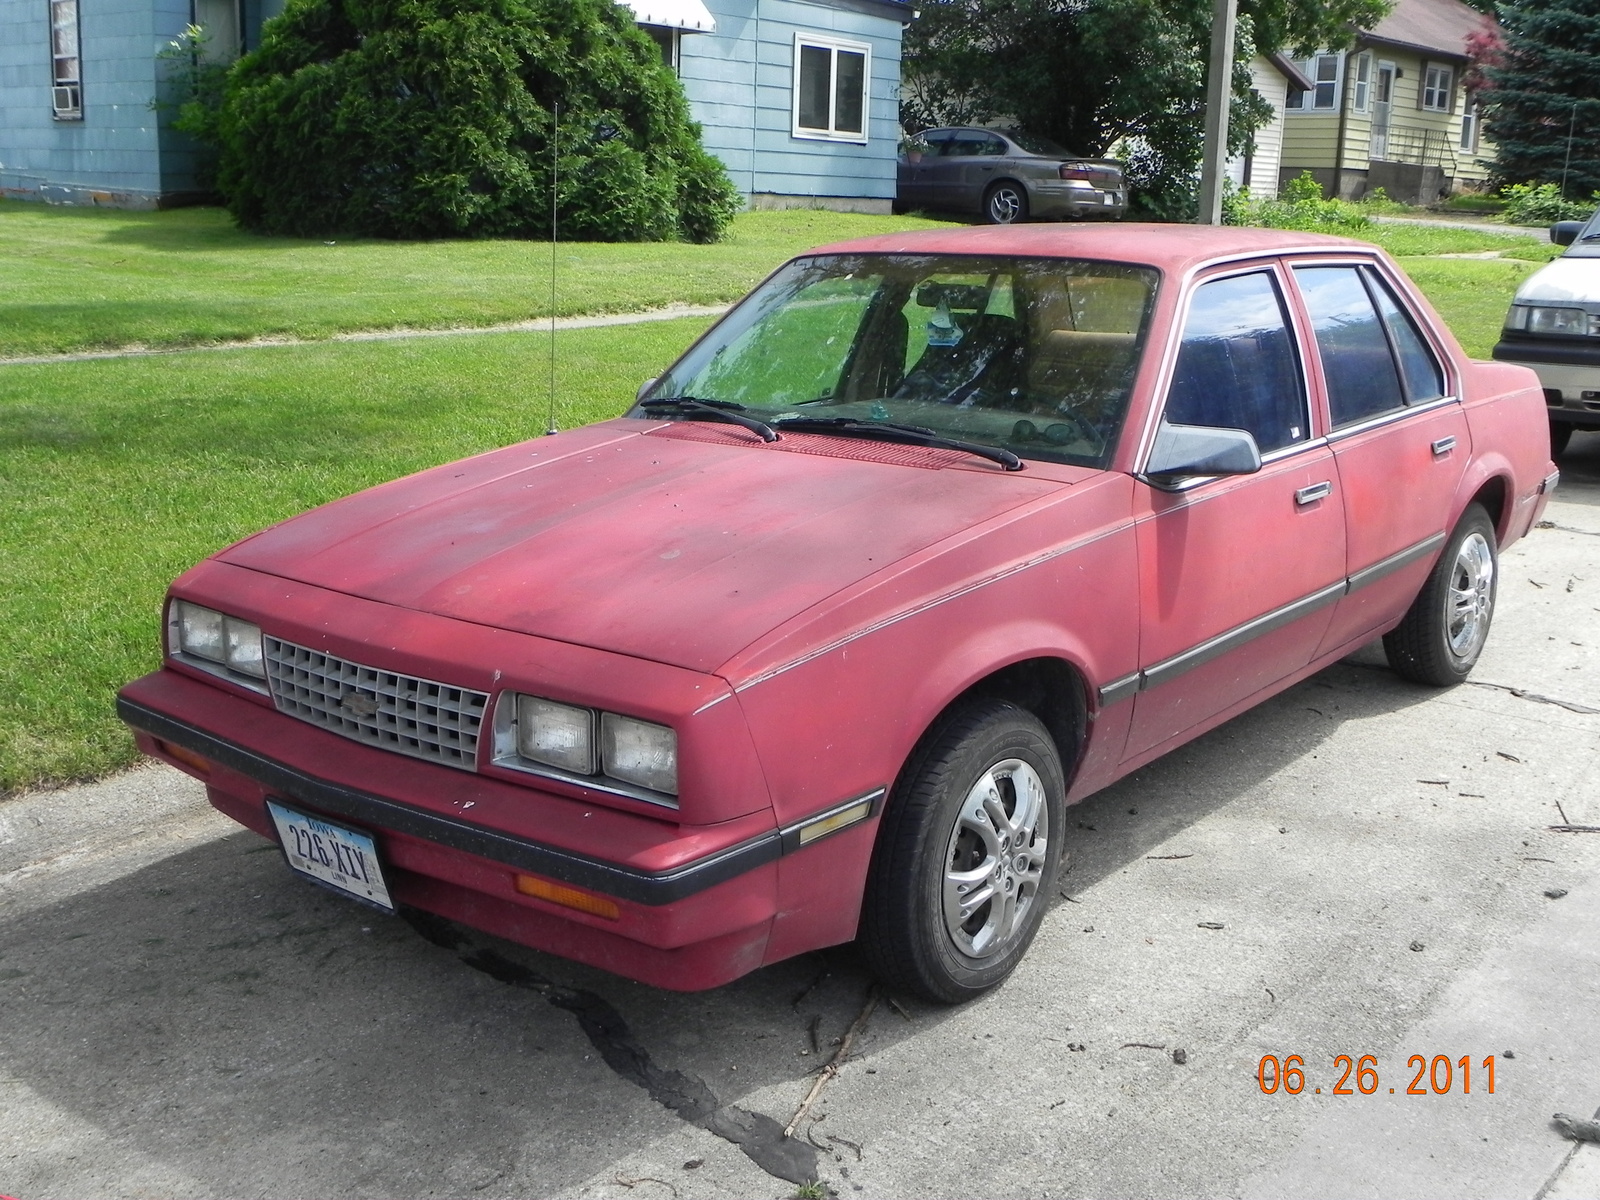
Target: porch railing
[1418, 145]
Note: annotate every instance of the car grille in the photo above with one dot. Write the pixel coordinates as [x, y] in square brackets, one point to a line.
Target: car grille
[419, 717]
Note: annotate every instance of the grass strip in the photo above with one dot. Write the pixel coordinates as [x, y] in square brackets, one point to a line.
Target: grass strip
[87, 279]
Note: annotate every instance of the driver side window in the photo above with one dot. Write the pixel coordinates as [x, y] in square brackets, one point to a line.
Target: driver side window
[1237, 367]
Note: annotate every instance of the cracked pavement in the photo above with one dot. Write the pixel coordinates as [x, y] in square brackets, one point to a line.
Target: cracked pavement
[1357, 867]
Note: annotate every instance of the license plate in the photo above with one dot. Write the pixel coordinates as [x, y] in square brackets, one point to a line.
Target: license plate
[339, 858]
[1108, 198]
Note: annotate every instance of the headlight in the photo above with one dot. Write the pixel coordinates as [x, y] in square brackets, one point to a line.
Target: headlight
[602, 749]
[639, 752]
[1566, 322]
[211, 640]
[558, 735]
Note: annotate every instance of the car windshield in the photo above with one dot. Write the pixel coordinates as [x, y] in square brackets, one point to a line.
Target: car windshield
[1034, 144]
[1032, 355]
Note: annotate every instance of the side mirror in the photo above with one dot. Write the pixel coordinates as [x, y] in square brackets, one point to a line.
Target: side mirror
[1182, 450]
[644, 388]
[1564, 233]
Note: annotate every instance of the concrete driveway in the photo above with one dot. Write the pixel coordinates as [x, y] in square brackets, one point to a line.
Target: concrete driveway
[1359, 867]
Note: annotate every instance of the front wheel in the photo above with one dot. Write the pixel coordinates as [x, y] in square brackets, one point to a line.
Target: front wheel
[1439, 639]
[967, 855]
[1005, 203]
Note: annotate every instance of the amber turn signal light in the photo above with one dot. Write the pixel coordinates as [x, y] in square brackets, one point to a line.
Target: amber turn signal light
[188, 758]
[556, 893]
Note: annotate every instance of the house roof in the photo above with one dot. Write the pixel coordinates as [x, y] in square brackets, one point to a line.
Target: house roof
[1438, 27]
[1285, 67]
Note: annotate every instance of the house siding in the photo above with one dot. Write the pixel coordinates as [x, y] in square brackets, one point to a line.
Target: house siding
[1424, 145]
[739, 82]
[1268, 83]
[119, 153]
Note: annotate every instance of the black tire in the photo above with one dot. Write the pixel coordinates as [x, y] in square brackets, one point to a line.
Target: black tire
[1439, 639]
[1560, 435]
[1005, 203]
[912, 933]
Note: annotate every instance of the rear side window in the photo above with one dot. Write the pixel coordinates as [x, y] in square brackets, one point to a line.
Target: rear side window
[1419, 369]
[1237, 367]
[1374, 358]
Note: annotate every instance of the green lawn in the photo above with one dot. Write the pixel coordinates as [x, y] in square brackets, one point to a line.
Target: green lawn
[116, 475]
[80, 279]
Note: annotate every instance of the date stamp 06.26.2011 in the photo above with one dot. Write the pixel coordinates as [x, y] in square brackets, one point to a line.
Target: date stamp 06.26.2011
[1436, 1076]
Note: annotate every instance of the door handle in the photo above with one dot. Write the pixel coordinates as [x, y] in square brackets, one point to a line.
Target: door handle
[1311, 493]
[1443, 446]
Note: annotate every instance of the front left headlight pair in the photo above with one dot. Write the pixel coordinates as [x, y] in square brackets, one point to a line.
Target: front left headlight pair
[216, 642]
[586, 742]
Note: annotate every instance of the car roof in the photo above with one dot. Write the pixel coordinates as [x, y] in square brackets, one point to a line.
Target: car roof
[1173, 248]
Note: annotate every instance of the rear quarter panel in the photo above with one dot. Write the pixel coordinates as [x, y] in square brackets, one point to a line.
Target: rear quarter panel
[1505, 411]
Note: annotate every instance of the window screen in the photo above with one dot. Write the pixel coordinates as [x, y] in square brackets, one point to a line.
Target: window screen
[1237, 367]
[816, 68]
[1356, 363]
[849, 89]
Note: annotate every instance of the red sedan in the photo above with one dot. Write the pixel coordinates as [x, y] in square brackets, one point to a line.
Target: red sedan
[930, 537]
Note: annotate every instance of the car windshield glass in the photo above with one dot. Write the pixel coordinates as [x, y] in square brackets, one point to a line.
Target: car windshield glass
[1032, 355]
[1034, 144]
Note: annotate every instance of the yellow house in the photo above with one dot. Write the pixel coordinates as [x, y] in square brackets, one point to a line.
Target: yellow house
[1391, 111]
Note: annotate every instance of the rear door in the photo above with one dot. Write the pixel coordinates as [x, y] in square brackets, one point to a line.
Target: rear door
[1399, 438]
[913, 178]
[1238, 575]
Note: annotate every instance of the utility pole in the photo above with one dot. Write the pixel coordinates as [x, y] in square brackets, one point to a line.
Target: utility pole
[1219, 91]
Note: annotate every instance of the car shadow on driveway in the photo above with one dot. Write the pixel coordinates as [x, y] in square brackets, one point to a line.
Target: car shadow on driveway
[210, 1024]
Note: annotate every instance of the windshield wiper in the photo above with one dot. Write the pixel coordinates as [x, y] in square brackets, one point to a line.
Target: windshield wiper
[726, 409]
[889, 431]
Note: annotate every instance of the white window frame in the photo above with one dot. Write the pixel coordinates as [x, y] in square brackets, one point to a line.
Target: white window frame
[833, 45]
[1441, 91]
[66, 94]
[1469, 126]
[1361, 85]
[1308, 99]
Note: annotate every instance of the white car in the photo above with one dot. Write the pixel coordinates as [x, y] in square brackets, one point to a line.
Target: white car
[1554, 328]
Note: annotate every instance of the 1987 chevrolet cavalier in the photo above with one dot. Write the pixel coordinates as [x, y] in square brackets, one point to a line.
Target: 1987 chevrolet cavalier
[929, 537]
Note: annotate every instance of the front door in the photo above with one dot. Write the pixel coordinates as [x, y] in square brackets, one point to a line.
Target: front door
[1238, 575]
[1399, 440]
[1382, 106]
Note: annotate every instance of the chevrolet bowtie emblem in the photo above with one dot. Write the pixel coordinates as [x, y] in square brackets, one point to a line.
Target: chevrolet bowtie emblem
[361, 706]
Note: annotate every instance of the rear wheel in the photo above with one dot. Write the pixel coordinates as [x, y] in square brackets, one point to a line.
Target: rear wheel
[967, 855]
[1444, 631]
[1005, 203]
[1560, 435]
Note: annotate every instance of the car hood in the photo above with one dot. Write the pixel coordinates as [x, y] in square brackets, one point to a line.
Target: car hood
[680, 542]
[1563, 281]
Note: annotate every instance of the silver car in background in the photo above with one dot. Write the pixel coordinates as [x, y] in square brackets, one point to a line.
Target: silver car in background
[1554, 327]
[1008, 175]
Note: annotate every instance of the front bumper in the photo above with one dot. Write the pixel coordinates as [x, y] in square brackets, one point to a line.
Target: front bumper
[696, 903]
[1569, 374]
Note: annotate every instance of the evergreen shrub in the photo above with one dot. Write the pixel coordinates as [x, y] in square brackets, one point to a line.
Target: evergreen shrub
[432, 118]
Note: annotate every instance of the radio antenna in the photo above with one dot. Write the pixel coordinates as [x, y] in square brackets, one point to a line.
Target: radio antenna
[555, 171]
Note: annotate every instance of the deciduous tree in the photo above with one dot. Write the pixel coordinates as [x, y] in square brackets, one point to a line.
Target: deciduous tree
[1093, 74]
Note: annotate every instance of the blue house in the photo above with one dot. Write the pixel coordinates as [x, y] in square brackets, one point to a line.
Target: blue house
[798, 98]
